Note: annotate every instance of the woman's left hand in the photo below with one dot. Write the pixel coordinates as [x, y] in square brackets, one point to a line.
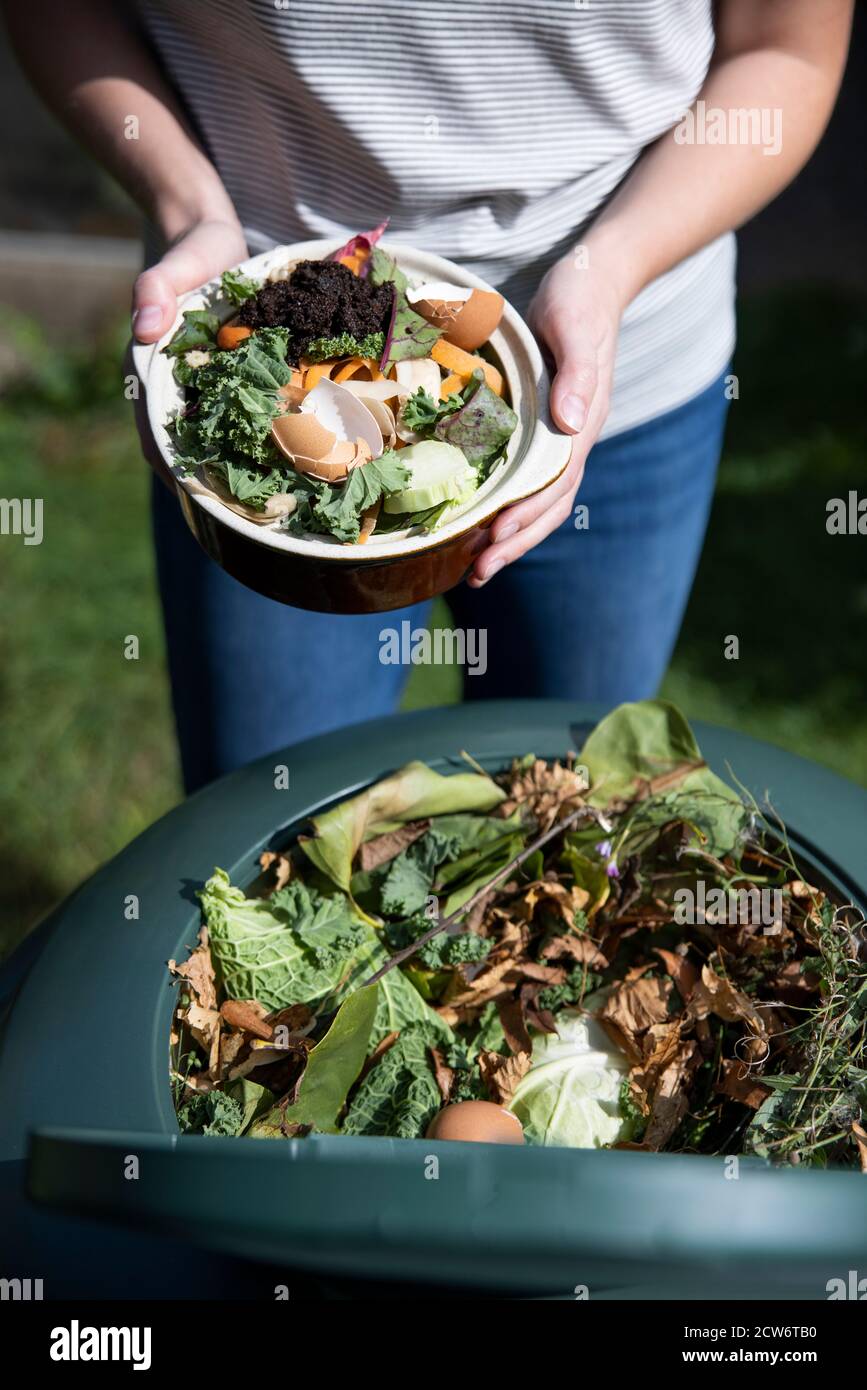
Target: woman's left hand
[576, 313]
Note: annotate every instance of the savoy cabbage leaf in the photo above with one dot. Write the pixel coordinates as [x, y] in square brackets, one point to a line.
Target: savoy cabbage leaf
[399, 1096]
[296, 947]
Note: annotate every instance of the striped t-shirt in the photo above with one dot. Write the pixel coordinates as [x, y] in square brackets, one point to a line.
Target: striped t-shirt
[489, 131]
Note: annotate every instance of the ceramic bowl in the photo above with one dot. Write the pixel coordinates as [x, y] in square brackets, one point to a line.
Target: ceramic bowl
[390, 570]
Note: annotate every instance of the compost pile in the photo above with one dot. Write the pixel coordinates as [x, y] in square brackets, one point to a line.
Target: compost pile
[320, 300]
[659, 973]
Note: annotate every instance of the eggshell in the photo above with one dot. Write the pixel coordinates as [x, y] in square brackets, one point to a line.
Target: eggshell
[290, 396]
[438, 292]
[476, 1121]
[384, 417]
[418, 372]
[468, 323]
[384, 390]
[338, 409]
[336, 467]
[301, 435]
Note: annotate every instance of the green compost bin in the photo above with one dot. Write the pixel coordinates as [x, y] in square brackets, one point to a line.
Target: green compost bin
[84, 1085]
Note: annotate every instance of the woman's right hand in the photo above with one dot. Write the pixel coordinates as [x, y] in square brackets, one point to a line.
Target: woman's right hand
[207, 249]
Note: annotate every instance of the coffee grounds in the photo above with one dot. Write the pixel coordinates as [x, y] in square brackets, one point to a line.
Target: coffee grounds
[321, 299]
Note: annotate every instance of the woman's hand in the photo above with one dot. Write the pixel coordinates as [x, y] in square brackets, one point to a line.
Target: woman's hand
[207, 249]
[576, 314]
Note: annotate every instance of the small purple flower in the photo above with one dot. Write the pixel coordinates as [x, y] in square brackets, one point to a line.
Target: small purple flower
[603, 848]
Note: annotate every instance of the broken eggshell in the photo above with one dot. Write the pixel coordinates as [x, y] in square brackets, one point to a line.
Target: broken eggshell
[329, 434]
[466, 316]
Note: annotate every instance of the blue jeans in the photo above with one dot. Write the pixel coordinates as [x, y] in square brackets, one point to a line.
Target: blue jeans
[589, 614]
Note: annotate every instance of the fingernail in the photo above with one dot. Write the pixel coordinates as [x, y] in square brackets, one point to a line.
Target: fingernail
[508, 530]
[574, 413]
[147, 319]
[493, 568]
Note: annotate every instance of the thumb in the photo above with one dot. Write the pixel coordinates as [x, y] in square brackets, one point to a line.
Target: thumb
[577, 375]
[205, 250]
[154, 304]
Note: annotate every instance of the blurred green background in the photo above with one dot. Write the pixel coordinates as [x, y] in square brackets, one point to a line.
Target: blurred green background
[87, 754]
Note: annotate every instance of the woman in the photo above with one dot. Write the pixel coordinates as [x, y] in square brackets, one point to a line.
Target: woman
[591, 158]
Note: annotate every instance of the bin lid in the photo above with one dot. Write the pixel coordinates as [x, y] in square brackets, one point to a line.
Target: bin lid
[543, 1222]
[85, 1047]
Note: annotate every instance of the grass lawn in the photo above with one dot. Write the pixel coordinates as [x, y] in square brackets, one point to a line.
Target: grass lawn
[86, 748]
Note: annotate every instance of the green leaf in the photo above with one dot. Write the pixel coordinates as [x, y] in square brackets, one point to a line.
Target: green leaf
[332, 1067]
[254, 1100]
[413, 793]
[345, 345]
[421, 412]
[198, 330]
[237, 287]
[411, 335]
[253, 486]
[481, 427]
[335, 1063]
[238, 399]
[587, 872]
[381, 267]
[211, 1112]
[642, 741]
[338, 510]
[399, 1096]
[570, 1097]
[296, 947]
[408, 879]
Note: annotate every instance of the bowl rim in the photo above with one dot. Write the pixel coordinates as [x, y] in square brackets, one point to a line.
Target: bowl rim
[544, 451]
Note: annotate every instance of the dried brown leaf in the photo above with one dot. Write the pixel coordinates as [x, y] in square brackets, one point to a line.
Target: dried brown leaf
[549, 792]
[637, 1004]
[445, 1075]
[198, 971]
[205, 1025]
[714, 994]
[681, 970]
[511, 1012]
[670, 1098]
[551, 895]
[737, 1083]
[383, 848]
[577, 947]
[502, 1074]
[281, 865]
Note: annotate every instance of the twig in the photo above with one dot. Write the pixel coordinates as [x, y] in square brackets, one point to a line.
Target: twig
[407, 951]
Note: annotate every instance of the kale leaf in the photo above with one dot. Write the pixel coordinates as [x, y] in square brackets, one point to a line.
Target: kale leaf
[345, 345]
[238, 399]
[237, 287]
